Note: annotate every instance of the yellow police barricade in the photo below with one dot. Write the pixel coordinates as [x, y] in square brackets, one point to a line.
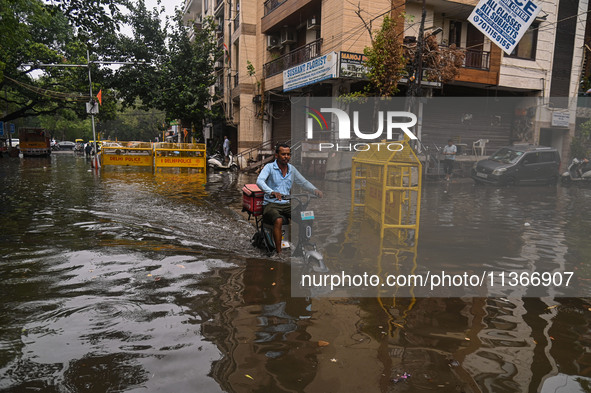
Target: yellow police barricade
[127, 154]
[180, 155]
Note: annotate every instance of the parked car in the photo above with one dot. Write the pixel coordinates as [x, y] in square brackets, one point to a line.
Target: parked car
[66, 145]
[15, 142]
[519, 164]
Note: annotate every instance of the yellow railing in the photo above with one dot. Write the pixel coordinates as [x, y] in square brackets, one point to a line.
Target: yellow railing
[158, 155]
[127, 153]
[180, 155]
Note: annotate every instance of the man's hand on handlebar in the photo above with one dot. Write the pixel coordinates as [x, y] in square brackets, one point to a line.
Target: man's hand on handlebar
[318, 193]
[277, 195]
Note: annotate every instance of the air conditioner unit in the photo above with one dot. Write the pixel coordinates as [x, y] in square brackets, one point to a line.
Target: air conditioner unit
[272, 42]
[313, 23]
[288, 36]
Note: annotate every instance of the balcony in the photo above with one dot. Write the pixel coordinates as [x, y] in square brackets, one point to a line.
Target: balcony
[295, 57]
[219, 6]
[280, 13]
[237, 22]
[477, 59]
[270, 5]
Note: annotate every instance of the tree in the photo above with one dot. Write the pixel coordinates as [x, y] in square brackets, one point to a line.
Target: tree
[389, 59]
[385, 59]
[187, 73]
[441, 63]
[35, 32]
[172, 72]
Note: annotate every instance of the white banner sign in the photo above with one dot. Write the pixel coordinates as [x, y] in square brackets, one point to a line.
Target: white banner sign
[313, 71]
[560, 119]
[504, 21]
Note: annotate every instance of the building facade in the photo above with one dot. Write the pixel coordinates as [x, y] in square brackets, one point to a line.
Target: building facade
[267, 44]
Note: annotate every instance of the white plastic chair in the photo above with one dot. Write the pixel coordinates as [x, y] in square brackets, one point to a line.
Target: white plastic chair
[479, 145]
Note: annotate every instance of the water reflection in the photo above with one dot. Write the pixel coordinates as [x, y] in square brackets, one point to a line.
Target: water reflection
[130, 281]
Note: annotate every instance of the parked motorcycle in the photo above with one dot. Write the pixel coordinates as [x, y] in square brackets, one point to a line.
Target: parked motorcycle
[577, 171]
[216, 161]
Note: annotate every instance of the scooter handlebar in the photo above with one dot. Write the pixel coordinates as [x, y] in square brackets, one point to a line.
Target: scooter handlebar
[295, 196]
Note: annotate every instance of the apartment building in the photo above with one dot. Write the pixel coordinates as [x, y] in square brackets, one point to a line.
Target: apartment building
[265, 44]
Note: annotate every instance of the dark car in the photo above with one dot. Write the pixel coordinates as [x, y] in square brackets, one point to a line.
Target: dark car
[519, 164]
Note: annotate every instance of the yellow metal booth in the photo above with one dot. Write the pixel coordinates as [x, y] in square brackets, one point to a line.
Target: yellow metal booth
[386, 183]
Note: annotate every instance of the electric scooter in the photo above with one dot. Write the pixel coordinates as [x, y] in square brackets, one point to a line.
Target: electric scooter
[577, 171]
[304, 248]
[216, 161]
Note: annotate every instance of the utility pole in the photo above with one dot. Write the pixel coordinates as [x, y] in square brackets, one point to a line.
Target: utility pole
[414, 86]
[91, 104]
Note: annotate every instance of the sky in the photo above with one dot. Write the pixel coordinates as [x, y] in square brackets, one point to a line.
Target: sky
[169, 6]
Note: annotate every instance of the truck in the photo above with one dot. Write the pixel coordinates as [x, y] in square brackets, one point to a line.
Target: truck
[34, 142]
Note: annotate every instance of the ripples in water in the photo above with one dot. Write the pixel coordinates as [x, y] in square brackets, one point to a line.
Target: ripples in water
[143, 282]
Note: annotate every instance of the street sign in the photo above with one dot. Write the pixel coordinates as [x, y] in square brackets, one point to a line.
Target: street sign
[12, 128]
[1, 128]
[92, 108]
[504, 21]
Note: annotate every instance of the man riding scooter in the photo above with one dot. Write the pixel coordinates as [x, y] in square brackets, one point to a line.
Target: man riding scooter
[276, 179]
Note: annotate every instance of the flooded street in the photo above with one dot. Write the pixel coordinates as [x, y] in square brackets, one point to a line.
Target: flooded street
[129, 281]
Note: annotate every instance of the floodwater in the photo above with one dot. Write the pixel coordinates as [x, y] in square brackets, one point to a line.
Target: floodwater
[129, 281]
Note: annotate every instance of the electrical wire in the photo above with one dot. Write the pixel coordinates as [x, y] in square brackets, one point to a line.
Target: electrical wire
[49, 93]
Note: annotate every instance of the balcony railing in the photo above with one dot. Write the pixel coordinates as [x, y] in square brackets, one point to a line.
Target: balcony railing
[477, 59]
[218, 4]
[270, 5]
[297, 56]
[237, 21]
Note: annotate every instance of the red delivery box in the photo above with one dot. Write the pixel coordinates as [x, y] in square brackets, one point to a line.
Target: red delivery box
[252, 199]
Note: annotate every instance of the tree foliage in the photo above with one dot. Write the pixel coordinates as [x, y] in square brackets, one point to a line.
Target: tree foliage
[35, 32]
[171, 72]
[389, 59]
[187, 72]
[385, 59]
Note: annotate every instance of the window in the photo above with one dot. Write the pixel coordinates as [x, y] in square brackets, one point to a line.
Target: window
[530, 158]
[455, 33]
[547, 156]
[526, 48]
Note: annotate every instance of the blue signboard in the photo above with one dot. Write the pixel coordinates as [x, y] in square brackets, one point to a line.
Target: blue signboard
[1, 128]
[12, 128]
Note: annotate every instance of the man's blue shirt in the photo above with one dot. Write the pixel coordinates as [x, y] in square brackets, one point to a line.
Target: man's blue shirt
[272, 180]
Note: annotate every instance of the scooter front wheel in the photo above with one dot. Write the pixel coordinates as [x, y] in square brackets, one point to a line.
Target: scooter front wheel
[257, 240]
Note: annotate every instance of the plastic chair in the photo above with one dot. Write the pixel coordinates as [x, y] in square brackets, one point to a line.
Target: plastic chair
[479, 145]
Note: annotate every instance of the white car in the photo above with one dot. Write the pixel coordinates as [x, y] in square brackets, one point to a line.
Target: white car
[66, 145]
[14, 142]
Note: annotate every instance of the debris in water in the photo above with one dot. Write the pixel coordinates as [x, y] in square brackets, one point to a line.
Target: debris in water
[322, 343]
[401, 378]
[248, 376]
